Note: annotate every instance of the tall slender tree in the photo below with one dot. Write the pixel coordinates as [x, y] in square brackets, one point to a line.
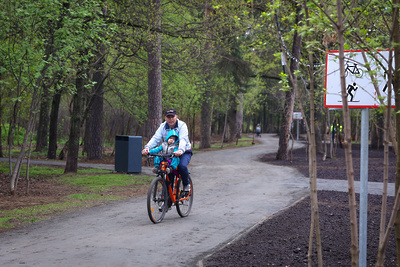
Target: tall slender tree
[284, 133]
[154, 92]
[95, 119]
[206, 100]
[312, 155]
[396, 88]
[76, 120]
[340, 28]
[55, 106]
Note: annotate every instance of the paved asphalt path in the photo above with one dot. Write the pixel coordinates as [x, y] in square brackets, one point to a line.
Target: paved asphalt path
[233, 192]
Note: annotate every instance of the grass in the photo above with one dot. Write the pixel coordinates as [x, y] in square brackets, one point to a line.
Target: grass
[104, 182]
[34, 171]
[11, 218]
[98, 186]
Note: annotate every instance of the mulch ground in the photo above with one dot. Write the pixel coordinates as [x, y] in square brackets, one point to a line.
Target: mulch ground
[283, 240]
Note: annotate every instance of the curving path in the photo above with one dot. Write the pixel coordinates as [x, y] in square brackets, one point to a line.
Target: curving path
[233, 192]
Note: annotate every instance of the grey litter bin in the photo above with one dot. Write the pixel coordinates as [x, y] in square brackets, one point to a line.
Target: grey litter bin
[128, 153]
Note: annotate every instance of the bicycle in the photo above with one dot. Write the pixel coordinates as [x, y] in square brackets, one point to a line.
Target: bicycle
[163, 192]
[353, 69]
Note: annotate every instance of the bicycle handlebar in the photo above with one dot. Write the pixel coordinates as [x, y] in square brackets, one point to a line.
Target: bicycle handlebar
[151, 155]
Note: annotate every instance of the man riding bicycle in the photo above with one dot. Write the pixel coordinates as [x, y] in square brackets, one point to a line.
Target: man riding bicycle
[184, 150]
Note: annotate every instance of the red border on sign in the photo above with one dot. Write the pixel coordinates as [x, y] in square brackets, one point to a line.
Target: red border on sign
[326, 77]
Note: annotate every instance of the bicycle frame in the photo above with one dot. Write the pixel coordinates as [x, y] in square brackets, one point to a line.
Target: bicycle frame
[164, 192]
[172, 191]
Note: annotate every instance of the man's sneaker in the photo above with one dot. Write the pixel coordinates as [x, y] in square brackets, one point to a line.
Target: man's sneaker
[186, 188]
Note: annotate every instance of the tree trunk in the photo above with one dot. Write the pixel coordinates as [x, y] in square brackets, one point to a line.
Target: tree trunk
[76, 118]
[232, 115]
[154, 72]
[396, 88]
[206, 105]
[347, 140]
[312, 161]
[225, 120]
[284, 134]
[239, 117]
[46, 84]
[382, 238]
[55, 106]
[95, 118]
[206, 111]
[94, 140]
[43, 126]
[29, 130]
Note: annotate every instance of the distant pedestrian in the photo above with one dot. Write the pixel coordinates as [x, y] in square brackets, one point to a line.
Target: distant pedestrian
[258, 130]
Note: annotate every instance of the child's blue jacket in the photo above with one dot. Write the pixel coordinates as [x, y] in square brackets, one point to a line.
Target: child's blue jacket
[167, 149]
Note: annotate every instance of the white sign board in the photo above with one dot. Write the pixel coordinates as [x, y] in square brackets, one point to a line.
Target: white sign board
[361, 92]
[297, 116]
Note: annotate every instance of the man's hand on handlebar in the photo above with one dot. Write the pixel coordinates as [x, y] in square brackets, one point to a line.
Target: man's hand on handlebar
[178, 153]
[145, 151]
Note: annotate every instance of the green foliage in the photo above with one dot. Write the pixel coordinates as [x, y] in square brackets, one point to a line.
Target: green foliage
[18, 134]
[240, 33]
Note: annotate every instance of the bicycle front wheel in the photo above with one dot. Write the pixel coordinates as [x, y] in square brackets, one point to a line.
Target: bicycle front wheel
[359, 73]
[185, 199]
[156, 200]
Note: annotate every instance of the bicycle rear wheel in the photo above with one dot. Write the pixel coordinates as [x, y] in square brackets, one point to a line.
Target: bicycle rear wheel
[185, 199]
[156, 204]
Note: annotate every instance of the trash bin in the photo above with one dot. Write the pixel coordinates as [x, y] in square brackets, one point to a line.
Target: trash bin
[128, 156]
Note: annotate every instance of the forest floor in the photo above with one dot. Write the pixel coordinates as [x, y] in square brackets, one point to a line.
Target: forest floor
[283, 239]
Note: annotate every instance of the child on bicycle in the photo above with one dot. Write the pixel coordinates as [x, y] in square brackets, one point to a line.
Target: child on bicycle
[168, 147]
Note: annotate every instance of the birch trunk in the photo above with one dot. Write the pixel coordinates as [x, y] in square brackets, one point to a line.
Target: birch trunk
[347, 140]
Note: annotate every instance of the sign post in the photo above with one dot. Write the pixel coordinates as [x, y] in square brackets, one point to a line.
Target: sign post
[361, 93]
[297, 116]
[362, 242]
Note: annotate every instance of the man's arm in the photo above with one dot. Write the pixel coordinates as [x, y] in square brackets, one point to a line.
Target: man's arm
[155, 140]
[183, 137]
